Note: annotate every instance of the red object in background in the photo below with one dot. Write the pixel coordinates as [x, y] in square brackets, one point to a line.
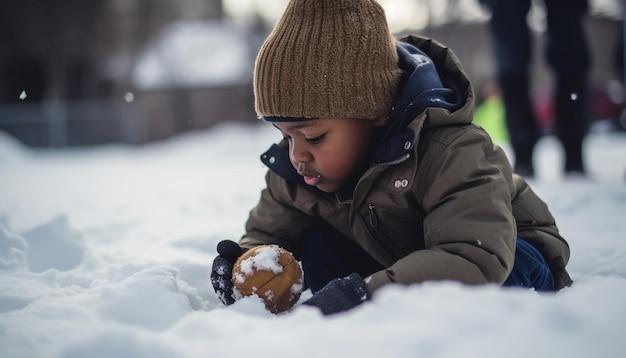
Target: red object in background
[544, 112]
[602, 108]
[605, 108]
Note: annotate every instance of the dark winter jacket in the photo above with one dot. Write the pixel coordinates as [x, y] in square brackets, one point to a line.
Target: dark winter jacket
[438, 201]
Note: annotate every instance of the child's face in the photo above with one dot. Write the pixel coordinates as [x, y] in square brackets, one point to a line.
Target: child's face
[327, 151]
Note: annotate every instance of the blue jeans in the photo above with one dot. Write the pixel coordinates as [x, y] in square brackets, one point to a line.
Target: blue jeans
[530, 269]
[326, 254]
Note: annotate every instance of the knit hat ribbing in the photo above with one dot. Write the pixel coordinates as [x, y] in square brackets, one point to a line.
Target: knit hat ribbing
[327, 58]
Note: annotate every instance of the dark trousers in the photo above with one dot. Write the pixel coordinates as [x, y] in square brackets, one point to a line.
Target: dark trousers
[567, 54]
[326, 254]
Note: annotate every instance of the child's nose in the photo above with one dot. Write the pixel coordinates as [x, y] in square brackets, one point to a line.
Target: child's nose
[299, 153]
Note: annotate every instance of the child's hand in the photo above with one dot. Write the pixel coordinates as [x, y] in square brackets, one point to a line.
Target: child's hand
[221, 272]
[340, 294]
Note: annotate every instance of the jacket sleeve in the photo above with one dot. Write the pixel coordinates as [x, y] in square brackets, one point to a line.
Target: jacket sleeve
[275, 220]
[536, 225]
[469, 230]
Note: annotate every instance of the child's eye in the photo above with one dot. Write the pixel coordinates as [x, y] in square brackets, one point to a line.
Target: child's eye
[316, 140]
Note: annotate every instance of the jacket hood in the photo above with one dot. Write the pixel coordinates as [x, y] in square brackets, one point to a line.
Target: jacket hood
[434, 86]
[435, 83]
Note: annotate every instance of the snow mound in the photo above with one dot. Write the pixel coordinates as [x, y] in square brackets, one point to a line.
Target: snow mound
[54, 245]
[11, 150]
[150, 298]
[118, 343]
[13, 250]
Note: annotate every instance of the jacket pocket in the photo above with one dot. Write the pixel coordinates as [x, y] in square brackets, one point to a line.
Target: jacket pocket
[398, 231]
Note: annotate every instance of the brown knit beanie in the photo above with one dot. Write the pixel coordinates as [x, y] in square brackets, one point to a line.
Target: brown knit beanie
[327, 58]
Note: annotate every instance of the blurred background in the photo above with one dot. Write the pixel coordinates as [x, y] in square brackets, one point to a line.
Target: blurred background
[78, 73]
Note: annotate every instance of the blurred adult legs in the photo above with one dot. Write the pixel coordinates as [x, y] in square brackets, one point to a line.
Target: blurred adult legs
[567, 55]
[521, 122]
[512, 45]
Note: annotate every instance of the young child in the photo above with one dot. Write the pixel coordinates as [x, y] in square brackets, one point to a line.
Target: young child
[381, 178]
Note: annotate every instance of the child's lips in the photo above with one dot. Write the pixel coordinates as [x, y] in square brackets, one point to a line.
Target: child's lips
[312, 180]
[310, 177]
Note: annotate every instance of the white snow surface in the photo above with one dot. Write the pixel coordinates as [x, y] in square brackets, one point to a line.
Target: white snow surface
[106, 252]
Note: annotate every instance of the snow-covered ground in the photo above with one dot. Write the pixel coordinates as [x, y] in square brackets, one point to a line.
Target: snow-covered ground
[106, 252]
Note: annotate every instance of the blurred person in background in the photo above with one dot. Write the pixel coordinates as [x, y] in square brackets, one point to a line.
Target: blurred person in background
[568, 56]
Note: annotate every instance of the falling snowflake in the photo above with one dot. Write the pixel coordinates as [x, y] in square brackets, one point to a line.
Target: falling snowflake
[129, 97]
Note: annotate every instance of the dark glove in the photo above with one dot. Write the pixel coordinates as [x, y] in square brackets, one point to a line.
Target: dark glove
[340, 294]
[222, 270]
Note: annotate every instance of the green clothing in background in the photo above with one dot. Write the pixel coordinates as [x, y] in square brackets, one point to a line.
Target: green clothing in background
[490, 116]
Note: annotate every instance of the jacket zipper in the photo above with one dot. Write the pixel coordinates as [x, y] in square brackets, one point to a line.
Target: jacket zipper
[373, 223]
[372, 215]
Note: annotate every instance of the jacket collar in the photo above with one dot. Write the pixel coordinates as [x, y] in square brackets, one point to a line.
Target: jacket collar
[277, 159]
